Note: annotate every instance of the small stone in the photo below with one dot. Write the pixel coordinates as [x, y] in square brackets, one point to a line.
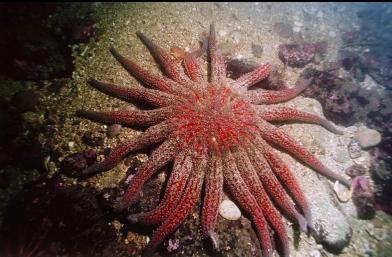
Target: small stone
[320, 14]
[117, 225]
[114, 130]
[172, 244]
[229, 210]
[298, 24]
[355, 170]
[222, 33]
[315, 253]
[296, 29]
[71, 145]
[93, 138]
[367, 137]
[332, 34]
[354, 149]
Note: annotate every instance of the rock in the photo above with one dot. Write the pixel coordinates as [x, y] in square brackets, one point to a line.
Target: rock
[341, 155]
[93, 138]
[229, 210]
[114, 130]
[355, 170]
[296, 29]
[315, 253]
[332, 33]
[367, 137]
[297, 55]
[354, 149]
[331, 228]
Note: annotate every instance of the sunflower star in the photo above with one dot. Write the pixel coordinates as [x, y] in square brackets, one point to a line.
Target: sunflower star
[214, 135]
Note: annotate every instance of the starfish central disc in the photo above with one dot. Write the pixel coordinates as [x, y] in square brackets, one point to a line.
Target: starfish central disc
[214, 120]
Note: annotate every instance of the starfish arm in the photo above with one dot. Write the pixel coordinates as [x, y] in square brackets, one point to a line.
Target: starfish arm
[192, 67]
[253, 77]
[159, 158]
[238, 188]
[282, 171]
[217, 63]
[254, 184]
[291, 114]
[151, 136]
[129, 117]
[184, 208]
[174, 189]
[150, 96]
[262, 96]
[281, 139]
[172, 70]
[152, 80]
[274, 187]
[213, 194]
[221, 65]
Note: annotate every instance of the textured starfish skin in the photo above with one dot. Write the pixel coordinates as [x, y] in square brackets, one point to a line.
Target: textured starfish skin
[211, 131]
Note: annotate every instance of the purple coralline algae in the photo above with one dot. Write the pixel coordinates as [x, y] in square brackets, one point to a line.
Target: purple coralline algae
[363, 197]
[75, 163]
[172, 245]
[299, 55]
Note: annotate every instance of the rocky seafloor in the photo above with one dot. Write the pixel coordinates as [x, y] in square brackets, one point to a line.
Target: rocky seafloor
[44, 84]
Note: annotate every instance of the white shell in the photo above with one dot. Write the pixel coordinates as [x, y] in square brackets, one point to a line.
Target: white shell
[229, 210]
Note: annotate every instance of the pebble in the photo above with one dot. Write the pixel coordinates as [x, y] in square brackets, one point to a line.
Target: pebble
[71, 145]
[355, 170]
[114, 130]
[320, 14]
[296, 29]
[367, 137]
[298, 24]
[332, 34]
[93, 138]
[229, 210]
[315, 253]
[222, 33]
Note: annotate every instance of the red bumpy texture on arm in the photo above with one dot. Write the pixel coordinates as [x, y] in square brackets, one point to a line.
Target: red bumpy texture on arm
[291, 114]
[262, 96]
[183, 209]
[281, 139]
[213, 194]
[174, 190]
[241, 193]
